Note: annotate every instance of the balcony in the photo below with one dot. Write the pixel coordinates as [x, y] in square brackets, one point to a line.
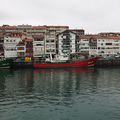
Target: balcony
[29, 45]
[1, 41]
[1, 50]
[29, 51]
[20, 48]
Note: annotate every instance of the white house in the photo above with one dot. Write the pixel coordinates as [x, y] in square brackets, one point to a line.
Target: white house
[38, 46]
[10, 44]
[66, 42]
[108, 45]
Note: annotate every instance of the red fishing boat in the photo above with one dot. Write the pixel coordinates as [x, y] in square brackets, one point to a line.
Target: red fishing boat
[74, 64]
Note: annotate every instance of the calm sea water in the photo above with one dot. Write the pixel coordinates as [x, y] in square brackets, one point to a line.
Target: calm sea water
[60, 94]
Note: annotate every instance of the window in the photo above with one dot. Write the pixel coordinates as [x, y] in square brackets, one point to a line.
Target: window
[47, 41]
[108, 43]
[52, 40]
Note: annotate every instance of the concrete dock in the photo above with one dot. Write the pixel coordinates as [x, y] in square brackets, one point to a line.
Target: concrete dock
[99, 63]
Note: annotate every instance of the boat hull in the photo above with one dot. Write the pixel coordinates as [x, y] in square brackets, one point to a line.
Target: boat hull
[6, 64]
[85, 63]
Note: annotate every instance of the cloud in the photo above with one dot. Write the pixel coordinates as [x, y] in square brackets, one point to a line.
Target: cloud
[92, 15]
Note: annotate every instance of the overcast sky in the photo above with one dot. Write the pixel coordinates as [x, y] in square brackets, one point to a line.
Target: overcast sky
[93, 16]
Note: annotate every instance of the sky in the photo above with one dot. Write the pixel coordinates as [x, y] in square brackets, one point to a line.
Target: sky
[94, 16]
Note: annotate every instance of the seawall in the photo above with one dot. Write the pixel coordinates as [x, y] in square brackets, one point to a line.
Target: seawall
[22, 65]
[99, 63]
[107, 62]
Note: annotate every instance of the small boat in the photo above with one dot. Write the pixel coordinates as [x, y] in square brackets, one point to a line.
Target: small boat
[6, 63]
[73, 64]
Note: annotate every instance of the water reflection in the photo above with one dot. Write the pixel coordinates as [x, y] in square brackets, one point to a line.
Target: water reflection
[60, 93]
[64, 82]
[3, 75]
[55, 82]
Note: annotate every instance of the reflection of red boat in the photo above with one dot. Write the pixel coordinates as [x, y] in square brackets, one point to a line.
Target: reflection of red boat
[85, 63]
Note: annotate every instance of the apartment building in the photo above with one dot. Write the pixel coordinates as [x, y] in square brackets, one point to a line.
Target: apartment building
[29, 47]
[50, 42]
[66, 42]
[21, 49]
[8, 29]
[10, 44]
[78, 31]
[108, 45]
[38, 45]
[115, 34]
[93, 46]
[83, 44]
[30, 30]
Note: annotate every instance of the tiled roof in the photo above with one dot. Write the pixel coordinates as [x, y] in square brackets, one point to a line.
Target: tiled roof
[83, 36]
[2, 36]
[15, 34]
[21, 44]
[52, 30]
[39, 27]
[8, 27]
[38, 36]
[76, 30]
[29, 40]
[57, 26]
[109, 33]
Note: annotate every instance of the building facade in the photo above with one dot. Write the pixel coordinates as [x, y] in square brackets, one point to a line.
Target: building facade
[10, 44]
[66, 42]
[50, 42]
[38, 46]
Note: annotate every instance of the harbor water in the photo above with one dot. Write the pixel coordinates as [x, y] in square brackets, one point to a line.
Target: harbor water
[60, 94]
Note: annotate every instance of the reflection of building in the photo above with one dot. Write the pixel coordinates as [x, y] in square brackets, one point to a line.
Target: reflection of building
[29, 80]
[1, 45]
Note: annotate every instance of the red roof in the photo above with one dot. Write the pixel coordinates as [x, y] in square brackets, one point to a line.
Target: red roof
[2, 35]
[38, 36]
[76, 30]
[38, 27]
[29, 40]
[8, 27]
[83, 36]
[109, 33]
[57, 26]
[21, 43]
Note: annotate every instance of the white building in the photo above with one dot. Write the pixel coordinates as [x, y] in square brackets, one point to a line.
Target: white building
[10, 44]
[83, 44]
[108, 45]
[38, 46]
[66, 43]
[50, 42]
[21, 49]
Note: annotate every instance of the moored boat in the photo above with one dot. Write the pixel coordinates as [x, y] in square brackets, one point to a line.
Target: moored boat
[6, 63]
[75, 64]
